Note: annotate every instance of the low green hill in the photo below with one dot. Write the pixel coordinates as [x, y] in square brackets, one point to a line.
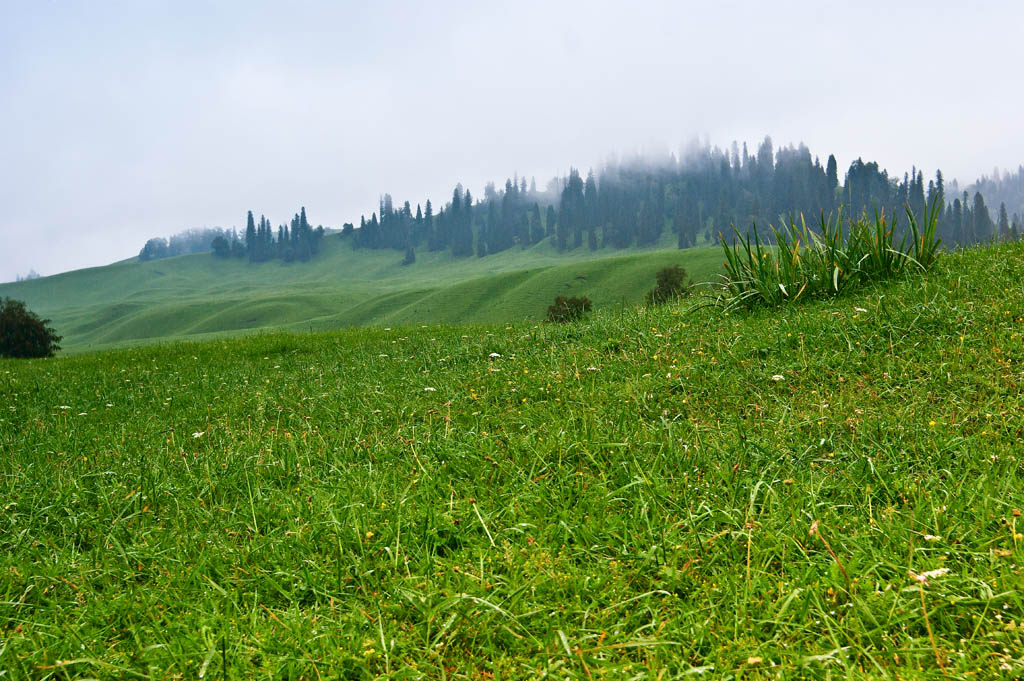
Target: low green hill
[198, 295]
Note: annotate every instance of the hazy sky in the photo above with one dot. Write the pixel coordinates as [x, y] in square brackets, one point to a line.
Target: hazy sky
[120, 121]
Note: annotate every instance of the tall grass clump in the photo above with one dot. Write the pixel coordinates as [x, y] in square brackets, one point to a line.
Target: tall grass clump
[827, 261]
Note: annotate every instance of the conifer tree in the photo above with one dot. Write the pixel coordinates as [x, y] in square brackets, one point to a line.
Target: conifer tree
[1004, 223]
[832, 176]
[536, 228]
[982, 219]
[251, 246]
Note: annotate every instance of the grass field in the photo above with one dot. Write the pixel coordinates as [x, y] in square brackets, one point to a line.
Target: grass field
[198, 296]
[648, 494]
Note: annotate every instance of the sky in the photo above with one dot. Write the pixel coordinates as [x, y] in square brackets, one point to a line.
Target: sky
[121, 121]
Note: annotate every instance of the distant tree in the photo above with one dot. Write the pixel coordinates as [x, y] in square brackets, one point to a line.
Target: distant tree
[1004, 223]
[491, 232]
[428, 223]
[251, 247]
[832, 175]
[481, 239]
[220, 247]
[153, 250]
[23, 334]
[410, 256]
[347, 230]
[982, 219]
[523, 233]
[461, 223]
[550, 220]
[670, 283]
[536, 228]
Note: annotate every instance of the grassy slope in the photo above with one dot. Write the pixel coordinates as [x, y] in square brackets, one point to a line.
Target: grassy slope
[196, 295]
[630, 497]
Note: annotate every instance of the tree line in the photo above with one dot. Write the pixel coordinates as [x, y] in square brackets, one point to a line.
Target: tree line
[700, 193]
[297, 241]
[260, 242]
[703, 192]
[1007, 190]
[184, 243]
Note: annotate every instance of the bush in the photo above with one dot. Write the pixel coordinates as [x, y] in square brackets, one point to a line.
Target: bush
[568, 309]
[671, 283]
[23, 333]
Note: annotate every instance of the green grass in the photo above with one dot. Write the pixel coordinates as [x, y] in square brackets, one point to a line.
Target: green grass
[198, 296]
[627, 497]
[840, 255]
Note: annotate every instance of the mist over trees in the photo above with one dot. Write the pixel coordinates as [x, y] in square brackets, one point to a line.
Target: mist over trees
[701, 193]
[294, 241]
[183, 243]
[1005, 190]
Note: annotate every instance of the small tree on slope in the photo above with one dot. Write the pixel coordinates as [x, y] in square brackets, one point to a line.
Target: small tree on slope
[23, 333]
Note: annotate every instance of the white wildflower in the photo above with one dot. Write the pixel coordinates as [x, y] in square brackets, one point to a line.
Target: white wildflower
[778, 377]
[430, 390]
[494, 355]
[927, 575]
[196, 436]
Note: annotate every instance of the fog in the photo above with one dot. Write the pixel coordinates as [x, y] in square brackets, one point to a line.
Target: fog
[124, 121]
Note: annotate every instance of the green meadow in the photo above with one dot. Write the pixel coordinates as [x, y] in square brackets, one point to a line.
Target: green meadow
[825, 490]
[199, 296]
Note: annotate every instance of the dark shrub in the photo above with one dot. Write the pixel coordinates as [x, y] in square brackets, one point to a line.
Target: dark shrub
[23, 334]
[568, 309]
[220, 247]
[671, 283]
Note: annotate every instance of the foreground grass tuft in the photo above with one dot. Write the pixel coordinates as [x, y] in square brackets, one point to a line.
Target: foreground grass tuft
[839, 256]
[823, 491]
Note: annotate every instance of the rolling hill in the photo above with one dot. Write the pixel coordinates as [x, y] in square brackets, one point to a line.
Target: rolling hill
[195, 296]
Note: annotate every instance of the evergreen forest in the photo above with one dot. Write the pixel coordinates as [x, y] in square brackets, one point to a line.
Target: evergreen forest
[702, 193]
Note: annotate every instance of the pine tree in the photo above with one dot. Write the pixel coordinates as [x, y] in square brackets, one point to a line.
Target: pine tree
[982, 220]
[251, 246]
[536, 228]
[523, 232]
[1004, 223]
[832, 175]
[462, 226]
[417, 229]
[493, 226]
[957, 222]
[590, 210]
[428, 225]
[550, 220]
